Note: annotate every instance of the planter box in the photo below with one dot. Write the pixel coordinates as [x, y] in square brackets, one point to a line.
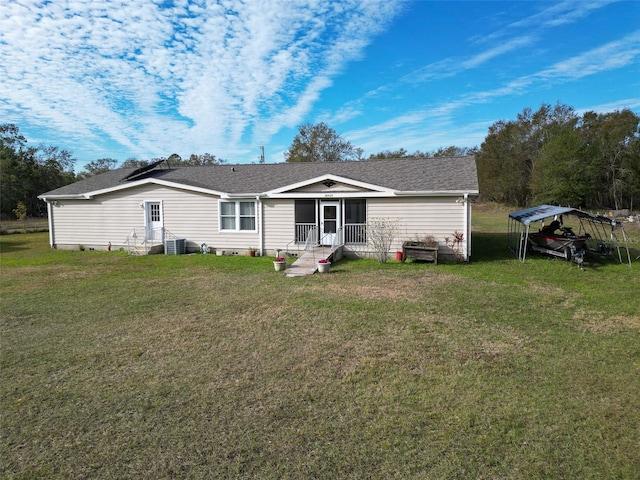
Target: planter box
[420, 251]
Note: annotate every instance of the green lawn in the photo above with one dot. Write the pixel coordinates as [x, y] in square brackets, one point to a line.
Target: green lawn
[198, 366]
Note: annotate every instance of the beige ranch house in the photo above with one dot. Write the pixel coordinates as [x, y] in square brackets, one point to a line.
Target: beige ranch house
[267, 207]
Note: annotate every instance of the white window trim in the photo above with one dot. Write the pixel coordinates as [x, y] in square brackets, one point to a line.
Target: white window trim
[238, 216]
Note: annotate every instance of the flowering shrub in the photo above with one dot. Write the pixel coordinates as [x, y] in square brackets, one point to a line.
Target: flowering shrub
[279, 259]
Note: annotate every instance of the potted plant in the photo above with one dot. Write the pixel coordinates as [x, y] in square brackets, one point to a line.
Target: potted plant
[280, 264]
[252, 252]
[323, 265]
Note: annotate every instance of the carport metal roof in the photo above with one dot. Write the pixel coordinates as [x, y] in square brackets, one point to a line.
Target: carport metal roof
[541, 212]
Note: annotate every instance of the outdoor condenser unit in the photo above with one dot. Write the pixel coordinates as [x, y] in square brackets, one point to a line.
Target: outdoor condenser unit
[175, 246]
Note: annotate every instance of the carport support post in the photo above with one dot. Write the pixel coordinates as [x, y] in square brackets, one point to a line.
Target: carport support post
[526, 242]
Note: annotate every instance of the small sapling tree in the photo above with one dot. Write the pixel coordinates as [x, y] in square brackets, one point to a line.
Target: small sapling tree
[21, 211]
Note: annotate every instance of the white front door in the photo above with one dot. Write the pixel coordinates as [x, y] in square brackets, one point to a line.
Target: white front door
[153, 221]
[329, 221]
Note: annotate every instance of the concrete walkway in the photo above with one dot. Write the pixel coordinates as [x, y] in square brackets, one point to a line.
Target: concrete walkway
[306, 264]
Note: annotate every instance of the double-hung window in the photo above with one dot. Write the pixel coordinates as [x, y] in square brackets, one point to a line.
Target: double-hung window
[238, 216]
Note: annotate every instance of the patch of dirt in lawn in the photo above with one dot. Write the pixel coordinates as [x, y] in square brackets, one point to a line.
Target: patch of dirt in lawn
[34, 278]
[605, 323]
[405, 289]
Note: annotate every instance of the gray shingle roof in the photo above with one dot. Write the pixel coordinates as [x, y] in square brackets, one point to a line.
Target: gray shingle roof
[401, 174]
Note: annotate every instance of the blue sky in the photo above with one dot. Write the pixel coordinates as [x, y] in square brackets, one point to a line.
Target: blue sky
[147, 79]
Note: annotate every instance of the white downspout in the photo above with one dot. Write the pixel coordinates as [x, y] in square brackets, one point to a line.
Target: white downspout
[260, 226]
[467, 223]
[50, 221]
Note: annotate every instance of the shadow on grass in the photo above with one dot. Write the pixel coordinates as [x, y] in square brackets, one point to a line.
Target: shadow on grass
[11, 243]
[487, 247]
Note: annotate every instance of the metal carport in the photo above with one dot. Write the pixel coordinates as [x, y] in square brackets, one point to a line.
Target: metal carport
[601, 229]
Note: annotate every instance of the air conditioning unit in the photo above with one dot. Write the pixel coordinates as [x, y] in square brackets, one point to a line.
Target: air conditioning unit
[175, 246]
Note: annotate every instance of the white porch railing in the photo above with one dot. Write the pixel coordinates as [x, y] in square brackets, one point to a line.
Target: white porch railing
[338, 240]
[302, 231]
[312, 239]
[307, 237]
[355, 233]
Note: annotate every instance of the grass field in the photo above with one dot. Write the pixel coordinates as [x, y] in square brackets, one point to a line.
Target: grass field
[198, 366]
[30, 225]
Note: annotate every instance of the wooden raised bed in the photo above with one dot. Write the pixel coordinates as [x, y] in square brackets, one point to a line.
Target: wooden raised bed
[420, 251]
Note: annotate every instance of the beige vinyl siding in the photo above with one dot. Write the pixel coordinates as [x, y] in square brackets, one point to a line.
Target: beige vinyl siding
[93, 223]
[279, 221]
[111, 217]
[419, 216]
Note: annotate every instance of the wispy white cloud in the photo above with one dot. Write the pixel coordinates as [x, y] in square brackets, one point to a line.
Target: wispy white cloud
[625, 103]
[562, 13]
[156, 77]
[424, 126]
[613, 55]
[552, 15]
[513, 37]
[450, 67]
[418, 133]
[343, 114]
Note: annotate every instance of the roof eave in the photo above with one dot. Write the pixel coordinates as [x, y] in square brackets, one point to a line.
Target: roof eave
[76, 196]
[436, 193]
[325, 177]
[358, 194]
[91, 194]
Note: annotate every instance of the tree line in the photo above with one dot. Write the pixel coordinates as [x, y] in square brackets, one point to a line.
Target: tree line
[551, 155]
[28, 171]
[554, 155]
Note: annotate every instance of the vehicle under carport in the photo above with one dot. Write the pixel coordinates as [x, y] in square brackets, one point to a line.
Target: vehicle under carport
[593, 235]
